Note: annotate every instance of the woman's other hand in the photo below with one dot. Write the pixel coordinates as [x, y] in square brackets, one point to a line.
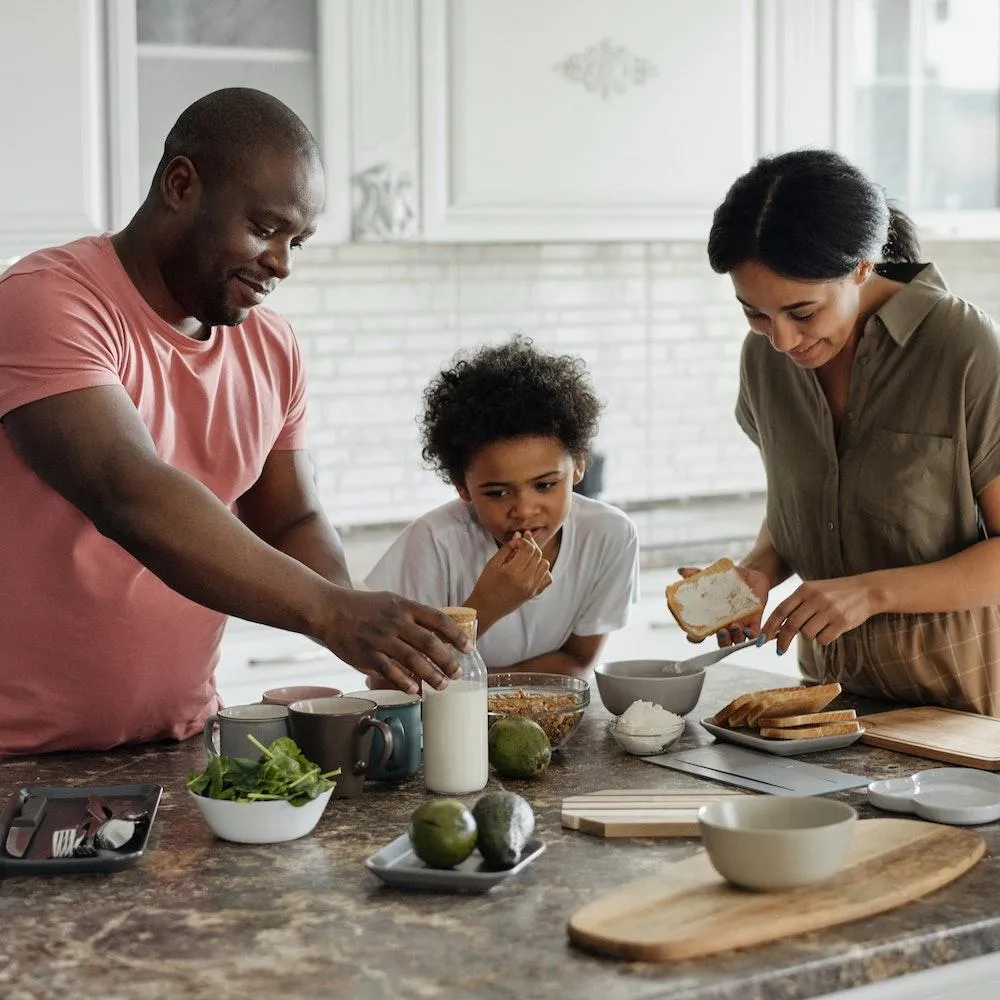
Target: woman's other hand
[820, 609]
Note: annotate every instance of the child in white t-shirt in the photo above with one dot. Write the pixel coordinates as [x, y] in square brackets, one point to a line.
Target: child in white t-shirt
[550, 572]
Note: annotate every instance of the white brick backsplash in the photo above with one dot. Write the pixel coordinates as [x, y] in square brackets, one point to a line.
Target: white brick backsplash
[661, 333]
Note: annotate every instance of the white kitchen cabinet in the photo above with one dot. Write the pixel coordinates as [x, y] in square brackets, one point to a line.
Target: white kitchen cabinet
[584, 119]
[53, 172]
[165, 54]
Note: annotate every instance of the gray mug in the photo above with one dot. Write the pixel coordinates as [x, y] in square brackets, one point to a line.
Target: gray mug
[265, 722]
[401, 713]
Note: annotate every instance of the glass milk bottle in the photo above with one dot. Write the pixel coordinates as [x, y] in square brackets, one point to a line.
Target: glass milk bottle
[456, 756]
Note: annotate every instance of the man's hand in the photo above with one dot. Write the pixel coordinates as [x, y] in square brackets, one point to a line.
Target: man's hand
[399, 641]
[514, 575]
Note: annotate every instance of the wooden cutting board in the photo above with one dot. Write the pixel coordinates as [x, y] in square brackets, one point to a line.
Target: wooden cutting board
[640, 812]
[688, 910]
[937, 733]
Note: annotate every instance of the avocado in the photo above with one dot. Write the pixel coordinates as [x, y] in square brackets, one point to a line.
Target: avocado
[442, 832]
[518, 747]
[505, 821]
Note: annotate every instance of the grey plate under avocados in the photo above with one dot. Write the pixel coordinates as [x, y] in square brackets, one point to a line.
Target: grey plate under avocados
[67, 807]
[396, 864]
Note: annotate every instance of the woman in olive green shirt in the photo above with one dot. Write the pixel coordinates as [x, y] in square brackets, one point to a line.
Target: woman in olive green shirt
[873, 394]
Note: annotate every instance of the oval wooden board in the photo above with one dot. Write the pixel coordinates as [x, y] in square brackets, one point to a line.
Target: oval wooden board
[689, 910]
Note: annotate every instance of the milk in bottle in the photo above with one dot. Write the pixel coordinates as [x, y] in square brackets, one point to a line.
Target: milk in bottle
[456, 756]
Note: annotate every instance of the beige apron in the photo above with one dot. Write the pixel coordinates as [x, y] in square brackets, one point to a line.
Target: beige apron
[950, 658]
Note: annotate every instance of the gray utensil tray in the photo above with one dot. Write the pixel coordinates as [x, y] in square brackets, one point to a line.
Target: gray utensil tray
[67, 806]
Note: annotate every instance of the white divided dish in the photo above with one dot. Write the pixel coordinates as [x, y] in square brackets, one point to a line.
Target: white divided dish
[961, 796]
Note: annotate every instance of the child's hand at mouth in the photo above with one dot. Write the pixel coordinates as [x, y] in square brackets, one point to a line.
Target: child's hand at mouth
[516, 573]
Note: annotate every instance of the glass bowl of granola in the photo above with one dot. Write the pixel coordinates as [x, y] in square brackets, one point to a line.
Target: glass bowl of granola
[555, 701]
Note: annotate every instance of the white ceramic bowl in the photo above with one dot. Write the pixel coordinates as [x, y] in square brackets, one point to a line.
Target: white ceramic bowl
[775, 842]
[621, 682]
[260, 822]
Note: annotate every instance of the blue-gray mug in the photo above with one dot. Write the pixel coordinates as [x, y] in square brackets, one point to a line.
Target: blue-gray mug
[401, 713]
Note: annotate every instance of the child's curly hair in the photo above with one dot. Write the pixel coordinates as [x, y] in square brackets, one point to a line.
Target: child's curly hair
[506, 391]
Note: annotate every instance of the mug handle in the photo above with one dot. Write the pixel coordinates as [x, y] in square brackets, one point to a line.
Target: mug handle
[387, 741]
[398, 738]
[208, 734]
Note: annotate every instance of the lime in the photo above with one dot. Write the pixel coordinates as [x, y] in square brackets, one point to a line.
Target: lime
[518, 747]
[443, 833]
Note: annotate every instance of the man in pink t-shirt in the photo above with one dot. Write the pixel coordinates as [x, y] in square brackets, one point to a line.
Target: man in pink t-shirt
[153, 477]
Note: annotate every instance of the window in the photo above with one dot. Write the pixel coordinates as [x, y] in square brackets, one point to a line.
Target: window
[925, 99]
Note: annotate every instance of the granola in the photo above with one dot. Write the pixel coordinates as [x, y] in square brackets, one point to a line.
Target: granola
[557, 714]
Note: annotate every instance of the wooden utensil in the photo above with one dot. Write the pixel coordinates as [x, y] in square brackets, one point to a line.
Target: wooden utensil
[688, 910]
[640, 812]
[938, 734]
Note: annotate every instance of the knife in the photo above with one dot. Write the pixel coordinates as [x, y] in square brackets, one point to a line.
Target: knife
[23, 827]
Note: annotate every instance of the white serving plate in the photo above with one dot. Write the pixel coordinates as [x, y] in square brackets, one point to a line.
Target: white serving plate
[782, 748]
[961, 796]
[396, 864]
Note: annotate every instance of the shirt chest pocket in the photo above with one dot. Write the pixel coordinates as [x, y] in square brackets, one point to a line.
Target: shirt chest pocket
[908, 480]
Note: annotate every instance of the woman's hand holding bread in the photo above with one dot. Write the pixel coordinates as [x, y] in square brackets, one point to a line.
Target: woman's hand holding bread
[723, 599]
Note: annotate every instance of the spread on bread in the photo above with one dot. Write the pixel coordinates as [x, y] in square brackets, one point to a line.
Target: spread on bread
[789, 713]
[711, 599]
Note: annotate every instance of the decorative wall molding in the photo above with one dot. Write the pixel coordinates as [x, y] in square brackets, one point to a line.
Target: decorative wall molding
[385, 119]
[606, 68]
[384, 204]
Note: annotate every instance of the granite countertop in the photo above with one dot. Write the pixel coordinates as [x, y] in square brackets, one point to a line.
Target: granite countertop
[202, 918]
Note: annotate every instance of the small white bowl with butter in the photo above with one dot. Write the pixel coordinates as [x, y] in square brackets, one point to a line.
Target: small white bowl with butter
[645, 728]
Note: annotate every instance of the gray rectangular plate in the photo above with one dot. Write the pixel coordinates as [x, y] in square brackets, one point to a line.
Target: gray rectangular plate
[782, 748]
[396, 864]
[68, 807]
[749, 769]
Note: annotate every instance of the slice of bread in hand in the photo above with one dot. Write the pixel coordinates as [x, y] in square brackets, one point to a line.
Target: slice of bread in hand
[811, 732]
[813, 719]
[711, 599]
[781, 702]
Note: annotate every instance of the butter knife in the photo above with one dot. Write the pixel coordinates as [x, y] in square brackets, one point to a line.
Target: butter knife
[24, 826]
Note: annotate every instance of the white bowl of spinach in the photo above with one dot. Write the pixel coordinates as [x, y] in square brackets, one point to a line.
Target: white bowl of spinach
[280, 796]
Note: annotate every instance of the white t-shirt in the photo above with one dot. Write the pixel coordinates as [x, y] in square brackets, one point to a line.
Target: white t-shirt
[438, 558]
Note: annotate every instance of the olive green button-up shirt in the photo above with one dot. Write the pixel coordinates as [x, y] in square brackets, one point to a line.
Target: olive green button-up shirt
[919, 440]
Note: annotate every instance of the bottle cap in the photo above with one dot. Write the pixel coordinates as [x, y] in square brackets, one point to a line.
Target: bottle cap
[467, 619]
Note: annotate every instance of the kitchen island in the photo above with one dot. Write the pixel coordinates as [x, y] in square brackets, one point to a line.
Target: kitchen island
[199, 917]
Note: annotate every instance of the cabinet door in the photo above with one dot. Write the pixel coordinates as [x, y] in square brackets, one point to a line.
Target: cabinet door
[168, 53]
[584, 119]
[52, 173]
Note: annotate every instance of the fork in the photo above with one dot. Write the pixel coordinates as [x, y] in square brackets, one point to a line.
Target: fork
[64, 841]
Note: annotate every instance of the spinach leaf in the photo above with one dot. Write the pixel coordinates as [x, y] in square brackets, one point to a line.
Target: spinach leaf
[281, 772]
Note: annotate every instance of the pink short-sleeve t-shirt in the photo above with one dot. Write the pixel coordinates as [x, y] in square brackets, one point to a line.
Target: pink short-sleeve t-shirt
[97, 651]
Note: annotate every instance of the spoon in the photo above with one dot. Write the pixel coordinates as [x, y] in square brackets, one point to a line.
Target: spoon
[705, 659]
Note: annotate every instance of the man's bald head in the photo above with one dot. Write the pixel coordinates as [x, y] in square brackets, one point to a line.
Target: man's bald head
[223, 132]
